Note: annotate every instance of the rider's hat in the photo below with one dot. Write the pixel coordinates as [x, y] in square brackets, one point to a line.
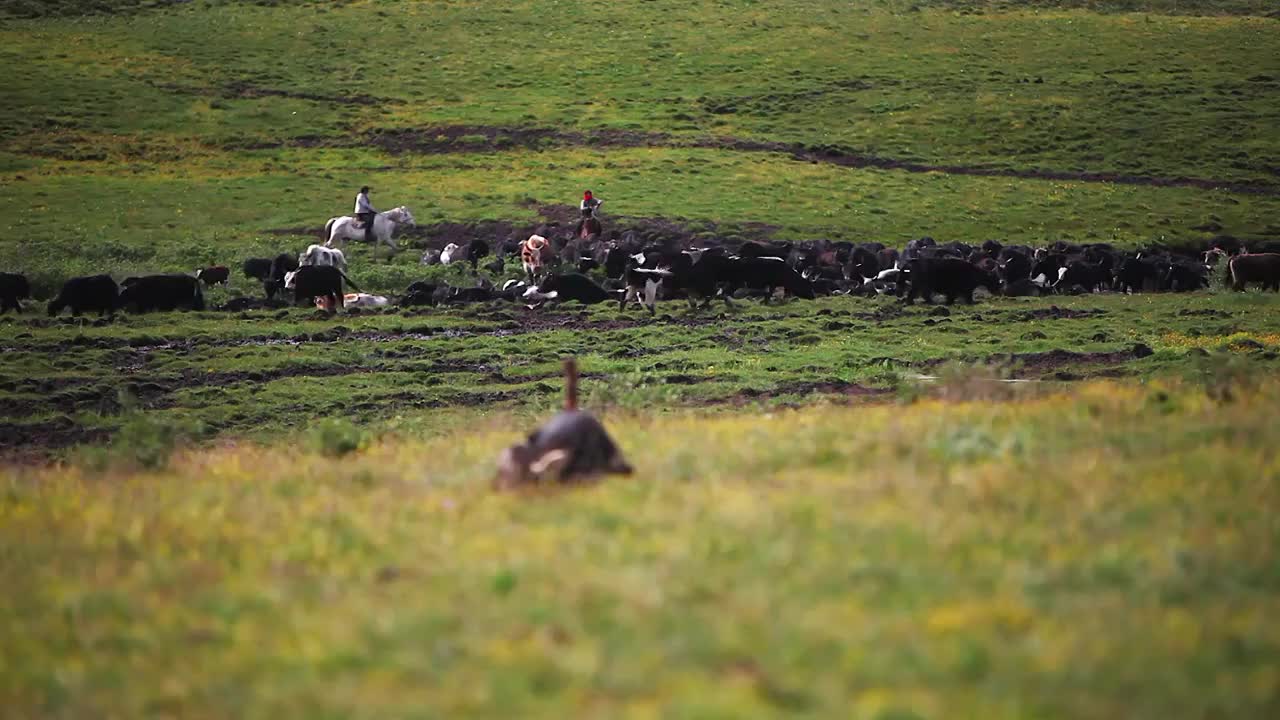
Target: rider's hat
[586, 194]
[364, 189]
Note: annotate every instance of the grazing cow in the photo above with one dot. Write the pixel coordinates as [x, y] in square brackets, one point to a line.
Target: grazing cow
[89, 293]
[564, 288]
[951, 277]
[319, 255]
[356, 300]
[13, 288]
[535, 255]
[1262, 268]
[1087, 275]
[282, 265]
[450, 253]
[258, 268]
[162, 292]
[312, 281]
[216, 275]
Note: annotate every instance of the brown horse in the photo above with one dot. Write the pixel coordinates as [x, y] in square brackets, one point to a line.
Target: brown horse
[588, 229]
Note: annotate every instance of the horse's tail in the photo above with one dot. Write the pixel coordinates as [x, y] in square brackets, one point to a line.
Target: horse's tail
[350, 282]
[328, 229]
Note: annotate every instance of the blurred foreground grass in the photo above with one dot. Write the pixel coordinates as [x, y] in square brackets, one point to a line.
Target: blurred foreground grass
[1110, 552]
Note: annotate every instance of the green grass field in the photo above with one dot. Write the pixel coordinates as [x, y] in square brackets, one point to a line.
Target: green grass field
[1028, 508]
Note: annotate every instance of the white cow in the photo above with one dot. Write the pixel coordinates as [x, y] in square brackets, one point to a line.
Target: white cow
[357, 300]
[450, 253]
[321, 255]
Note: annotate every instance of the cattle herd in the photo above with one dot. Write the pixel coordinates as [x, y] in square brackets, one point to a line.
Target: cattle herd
[626, 269]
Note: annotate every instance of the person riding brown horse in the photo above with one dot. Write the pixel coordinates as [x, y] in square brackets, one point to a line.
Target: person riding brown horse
[588, 225]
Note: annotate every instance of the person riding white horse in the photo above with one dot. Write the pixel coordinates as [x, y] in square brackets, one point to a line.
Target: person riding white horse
[381, 227]
[365, 212]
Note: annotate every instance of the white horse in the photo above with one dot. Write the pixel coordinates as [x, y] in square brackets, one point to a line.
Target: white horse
[343, 228]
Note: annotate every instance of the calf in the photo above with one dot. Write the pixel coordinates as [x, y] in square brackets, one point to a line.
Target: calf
[951, 277]
[258, 268]
[535, 254]
[312, 281]
[89, 293]
[162, 292]
[451, 252]
[216, 275]
[476, 250]
[282, 265]
[1262, 268]
[13, 288]
[568, 287]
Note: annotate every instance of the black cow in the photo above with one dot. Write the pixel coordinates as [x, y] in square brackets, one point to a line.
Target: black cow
[863, 263]
[642, 284]
[1136, 274]
[951, 277]
[476, 249]
[1087, 275]
[257, 268]
[1013, 265]
[713, 273]
[915, 248]
[283, 264]
[13, 288]
[419, 293]
[216, 275]
[89, 293]
[312, 281]
[161, 292]
[571, 286]
[1049, 265]
[1182, 276]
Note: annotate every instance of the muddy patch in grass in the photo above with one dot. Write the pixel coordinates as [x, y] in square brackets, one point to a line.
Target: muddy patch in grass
[488, 139]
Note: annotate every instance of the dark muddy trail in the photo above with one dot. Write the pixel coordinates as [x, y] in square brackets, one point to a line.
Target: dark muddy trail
[462, 139]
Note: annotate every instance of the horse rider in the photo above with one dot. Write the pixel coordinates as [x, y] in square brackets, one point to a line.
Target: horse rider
[365, 212]
[587, 208]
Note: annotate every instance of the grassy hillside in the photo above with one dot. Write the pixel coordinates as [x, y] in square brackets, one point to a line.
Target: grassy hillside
[1049, 508]
[1107, 553]
[164, 132]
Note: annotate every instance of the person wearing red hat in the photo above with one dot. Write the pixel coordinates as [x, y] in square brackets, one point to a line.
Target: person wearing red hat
[587, 208]
[589, 204]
